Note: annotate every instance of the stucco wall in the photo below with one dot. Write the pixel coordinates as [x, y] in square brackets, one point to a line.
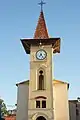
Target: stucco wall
[78, 107]
[60, 100]
[61, 106]
[72, 110]
[22, 102]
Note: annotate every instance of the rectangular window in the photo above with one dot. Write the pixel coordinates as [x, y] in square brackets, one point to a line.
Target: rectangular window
[37, 104]
[77, 112]
[43, 104]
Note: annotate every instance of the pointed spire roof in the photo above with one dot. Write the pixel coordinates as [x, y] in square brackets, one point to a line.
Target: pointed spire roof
[41, 30]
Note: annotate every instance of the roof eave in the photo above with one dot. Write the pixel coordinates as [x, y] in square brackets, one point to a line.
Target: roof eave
[36, 42]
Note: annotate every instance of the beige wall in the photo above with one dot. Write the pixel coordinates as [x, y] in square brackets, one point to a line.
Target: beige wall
[61, 108]
[35, 66]
[22, 102]
[60, 102]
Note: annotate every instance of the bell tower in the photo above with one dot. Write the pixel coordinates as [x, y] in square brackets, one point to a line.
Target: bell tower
[41, 48]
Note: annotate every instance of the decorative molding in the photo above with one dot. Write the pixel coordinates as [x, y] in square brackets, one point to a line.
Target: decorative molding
[38, 97]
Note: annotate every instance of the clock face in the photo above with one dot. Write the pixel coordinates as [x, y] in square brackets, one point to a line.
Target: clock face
[41, 54]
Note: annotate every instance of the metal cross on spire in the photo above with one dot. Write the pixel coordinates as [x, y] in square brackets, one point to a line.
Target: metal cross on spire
[41, 4]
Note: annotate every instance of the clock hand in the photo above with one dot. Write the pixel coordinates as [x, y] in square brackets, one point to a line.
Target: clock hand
[40, 54]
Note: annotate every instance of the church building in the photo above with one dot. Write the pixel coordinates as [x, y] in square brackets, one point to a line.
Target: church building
[42, 97]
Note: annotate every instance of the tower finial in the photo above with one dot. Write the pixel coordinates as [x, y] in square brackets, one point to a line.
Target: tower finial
[41, 4]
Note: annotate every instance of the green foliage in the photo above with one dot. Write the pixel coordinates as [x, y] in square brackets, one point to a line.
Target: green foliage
[3, 108]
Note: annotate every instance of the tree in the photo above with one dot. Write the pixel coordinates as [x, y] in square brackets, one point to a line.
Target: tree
[3, 108]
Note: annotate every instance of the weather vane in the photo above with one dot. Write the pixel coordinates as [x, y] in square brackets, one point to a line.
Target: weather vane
[41, 4]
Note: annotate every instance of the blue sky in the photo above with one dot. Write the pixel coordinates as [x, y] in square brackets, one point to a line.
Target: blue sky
[18, 19]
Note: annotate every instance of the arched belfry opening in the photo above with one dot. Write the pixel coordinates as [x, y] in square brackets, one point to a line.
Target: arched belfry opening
[40, 118]
[41, 80]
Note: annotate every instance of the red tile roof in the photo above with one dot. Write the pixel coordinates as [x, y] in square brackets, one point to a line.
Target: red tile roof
[41, 30]
[13, 117]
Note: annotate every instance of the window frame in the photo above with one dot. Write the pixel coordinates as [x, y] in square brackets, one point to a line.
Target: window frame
[41, 103]
[37, 103]
[44, 79]
[44, 104]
